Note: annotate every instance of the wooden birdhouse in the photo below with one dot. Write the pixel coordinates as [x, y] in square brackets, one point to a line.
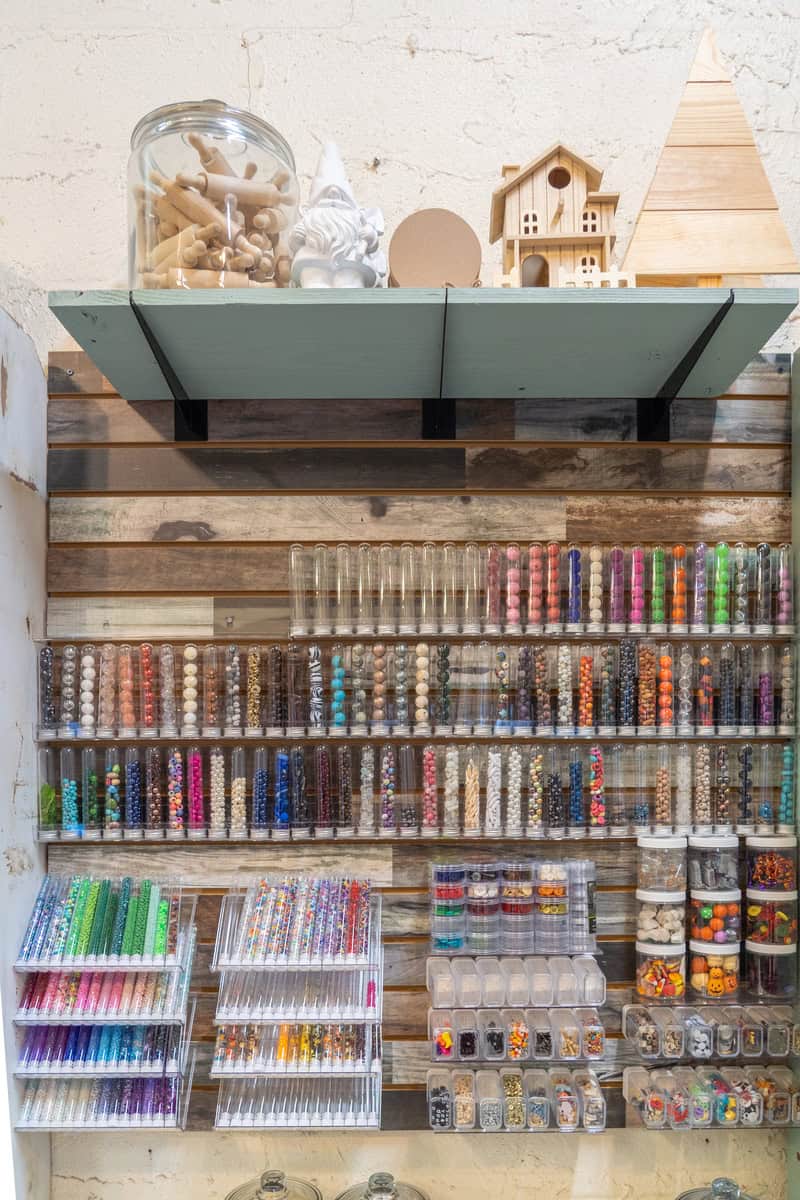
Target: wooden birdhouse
[557, 226]
[710, 217]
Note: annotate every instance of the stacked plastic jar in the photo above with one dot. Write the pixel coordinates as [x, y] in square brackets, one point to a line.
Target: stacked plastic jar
[771, 916]
[483, 908]
[582, 911]
[661, 914]
[551, 907]
[517, 907]
[448, 908]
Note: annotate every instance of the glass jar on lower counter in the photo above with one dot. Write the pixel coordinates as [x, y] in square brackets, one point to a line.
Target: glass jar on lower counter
[660, 971]
[771, 970]
[274, 1185]
[771, 920]
[714, 972]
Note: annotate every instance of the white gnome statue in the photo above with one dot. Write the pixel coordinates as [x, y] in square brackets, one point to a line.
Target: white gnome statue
[335, 243]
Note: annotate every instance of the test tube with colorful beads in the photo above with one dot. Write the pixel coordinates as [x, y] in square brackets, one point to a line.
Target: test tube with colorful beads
[786, 822]
[615, 797]
[260, 814]
[337, 723]
[727, 710]
[576, 806]
[745, 815]
[575, 581]
[364, 597]
[48, 713]
[472, 791]
[721, 594]
[492, 577]
[543, 662]
[512, 581]
[107, 691]
[555, 806]
[514, 823]
[112, 795]
[658, 590]
[784, 613]
[366, 794]
[388, 789]
[741, 572]
[298, 794]
[407, 797]
[253, 725]
[342, 623]
[765, 703]
[167, 709]
[647, 674]
[387, 589]
[134, 794]
[360, 701]
[523, 699]
[679, 591]
[596, 606]
[428, 588]
[443, 706]
[746, 690]
[764, 588]
[69, 692]
[344, 792]
[468, 576]
[197, 822]
[176, 794]
[607, 689]
[154, 799]
[640, 808]
[704, 691]
[698, 621]
[504, 684]
[49, 806]
[294, 707]
[786, 690]
[407, 589]
[320, 590]
[535, 613]
[535, 824]
[281, 806]
[212, 693]
[665, 685]
[765, 789]
[70, 795]
[298, 591]
[90, 795]
[615, 612]
[724, 789]
[636, 603]
[597, 782]
[586, 691]
[565, 708]
[422, 689]
[323, 784]
[552, 600]
[451, 816]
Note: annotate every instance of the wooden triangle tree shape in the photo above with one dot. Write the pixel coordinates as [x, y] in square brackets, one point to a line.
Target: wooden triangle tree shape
[710, 216]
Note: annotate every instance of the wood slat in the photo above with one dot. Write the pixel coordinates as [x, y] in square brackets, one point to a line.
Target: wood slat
[709, 110]
[183, 567]
[690, 177]
[672, 240]
[620, 518]
[129, 617]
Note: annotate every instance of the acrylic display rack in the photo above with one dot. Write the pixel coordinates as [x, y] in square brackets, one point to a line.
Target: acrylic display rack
[711, 1097]
[513, 1100]
[511, 982]
[285, 1050]
[300, 1103]
[300, 995]
[702, 1032]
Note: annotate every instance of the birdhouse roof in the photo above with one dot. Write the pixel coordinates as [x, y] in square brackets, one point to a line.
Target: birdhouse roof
[593, 178]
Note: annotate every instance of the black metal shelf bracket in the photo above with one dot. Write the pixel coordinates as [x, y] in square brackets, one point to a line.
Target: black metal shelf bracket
[653, 414]
[439, 412]
[191, 416]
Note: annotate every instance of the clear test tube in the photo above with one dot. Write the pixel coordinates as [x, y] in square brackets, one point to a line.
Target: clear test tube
[764, 587]
[484, 669]
[112, 795]
[343, 591]
[406, 803]
[154, 794]
[765, 789]
[703, 810]
[663, 806]
[472, 791]
[259, 790]
[450, 600]
[320, 590]
[786, 816]
[504, 686]
[765, 703]
[48, 713]
[683, 789]
[784, 612]
[493, 808]
[658, 590]
[596, 602]
[190, 690]
[721, 593]
[380, 688]
[428, 588]
[523, 697]
[647, 673]
[535, 825]
[344, 792]
[400, 675]
[422, 689]
[281, 795]
[298, 591]
[360, 702]
[464, 675]
[565, 710]
[364, 589]
[196, 808]
[387, 589]
[679, 590]
[512, 579]
[586, 691]
[746, 689]
[88, 691]
[745, 801]
[555, 804]
[616, 804]
[337, 721]
[442, 706]
[407, 589]
[626, 711]
[543, 689]
[704, 691]
[299, 806]
[786, 692]
[451, 815]
[68, 711]
[107, 691]
[176, 793]
[217, 798]
[615, 613]
[727, 709]
[535, 621]
[91, 823]
[134, 795]
[167, 707]
[576, 806]
[148, 711]
[366, 795]
[640, 809]
[607, 689]
[741, 579]
[698, 621]
[514, 823]
[598, 807]
[724, 789]
[126, 692]
[212, 693]
[492, 573]
[575, 619]
[637, 622]
[430, 793]
[665, 683]
[387, 817]
[553, 622]
[471, 585]
[49, 804]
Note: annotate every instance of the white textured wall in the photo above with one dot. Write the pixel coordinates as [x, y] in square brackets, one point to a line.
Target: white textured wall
[426, 98]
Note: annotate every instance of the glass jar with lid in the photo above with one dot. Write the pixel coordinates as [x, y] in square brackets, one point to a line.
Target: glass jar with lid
[274, 1185]
[383, 1186]
[720, 1189]
[212, 199]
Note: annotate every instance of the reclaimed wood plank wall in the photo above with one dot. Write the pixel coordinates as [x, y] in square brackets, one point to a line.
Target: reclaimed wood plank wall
[149, 539]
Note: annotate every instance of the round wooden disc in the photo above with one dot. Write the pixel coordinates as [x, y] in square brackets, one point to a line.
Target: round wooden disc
[434, 248]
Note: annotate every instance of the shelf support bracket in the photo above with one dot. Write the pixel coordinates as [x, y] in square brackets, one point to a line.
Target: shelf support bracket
[439, 412]
[191, 416]
[653, 414]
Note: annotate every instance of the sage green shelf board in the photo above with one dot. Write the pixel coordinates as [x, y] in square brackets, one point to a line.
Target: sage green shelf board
[498, 343]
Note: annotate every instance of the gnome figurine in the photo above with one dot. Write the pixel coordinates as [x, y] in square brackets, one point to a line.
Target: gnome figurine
[335, 243]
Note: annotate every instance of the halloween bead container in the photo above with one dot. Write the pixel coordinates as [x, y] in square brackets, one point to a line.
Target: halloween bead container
[678, 622]
[491, 622]
[698, 616]
[550, 893]
[364, 598]
[595, 590]
[786, 822]
[133, 828]
[88, 692]
[765, 691]
[660, 971]
[771, 971]
[49, 795]
[512, 588]
[462, 573]
[662, 864]
[615, 608]
[91, 822]
[167, 705]
[784, 610]
[746, 690]
[552, 604]
[575, 589]
[771, 920]
[786, 690]
[682, 763]
[107, 691]
[657, 579]
[428, 588]
[641, 807]
[637, 617]
[715, 917]
[321, 624]
[714, 863]
[68, 723]
[772, 863]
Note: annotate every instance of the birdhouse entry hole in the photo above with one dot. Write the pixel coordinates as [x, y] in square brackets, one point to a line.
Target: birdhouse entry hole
[589, 220]
[530, 224]
[535, 271]
[559, 178]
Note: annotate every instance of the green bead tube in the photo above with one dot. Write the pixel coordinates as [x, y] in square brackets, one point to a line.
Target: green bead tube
[65, 917]
[130, 928]
[152, 919]
[658, 606]
[89, 913]
[77, 918]
[142, 906]
[162, 921]
[122, 915]
[106, 937]
[98, 925]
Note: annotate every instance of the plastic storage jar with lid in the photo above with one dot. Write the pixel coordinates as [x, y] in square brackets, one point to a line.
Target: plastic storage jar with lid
[212, 199]
[720, 1189]
[715, 917]
[382, 1186]
[714, 863]
[714, 971]
[660, 917]
[274, 1185]
[771, 970]
[772, 863]
[662, 864]
[771, 920]
[660, 971]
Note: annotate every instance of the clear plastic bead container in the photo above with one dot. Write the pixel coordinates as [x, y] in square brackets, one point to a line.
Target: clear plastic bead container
[276, 668]
[541, 1034]
[471, 759]
[576, 808]
[259, 792]
[592, 1100]
[212, 693]
[615, 611]
[134, 794]
[745, 809]
[640, 1027]
[407, 589]
[536, 582]
[698, 618]
[715, 917]
[678, 589]
[321, 623]
[586, 691]
[663, 797]
[647, 676]
[714, 970]
[197, 814]
[636, 602]
[772, 863]
[512, 588]
[660, 917]
[575, 586]
[786, 690]
[714, 863]
[191, 682]
[298, 590]
[555, 794]
[299, 801]
[537, 1101]
[683, 778]
[238, 793]
[725, 789]
[543, 667]
[464, 1107]
[343, 621]
[88, 692]
[641, 814]
[552, 605]
[148, 711]
[596, 600]
[441, 1035]
[440, 1099]
[323, 790]
[48, 713]
[535, 827]
[566, 1106]
[784, 607]
[465, 578]
[771, 971]
[49, 795]
[364, 611]
[627, 708]
[662, 864]
[492, 574]
[91, 820]
[489, 1094]
[721, 589]
[360, 688]
[112, 795]
[523, 698]
[765, 690]
[338, 703]
[726, 681]
[504, 691]
[107, 691]
[658, 590]
[167, 706]
[565, 706]
[771, 918]
[69, 692]
[741, 586]
[660, 971]
[281, 822]
[704, 691]
[428, 588]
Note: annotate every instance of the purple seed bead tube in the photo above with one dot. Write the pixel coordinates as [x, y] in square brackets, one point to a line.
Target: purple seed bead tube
[784, 617]
[388, 791]
[636, 623]
[616, 590]
[323, 825]
[765, 707]
[699, 615]
[574, 590]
